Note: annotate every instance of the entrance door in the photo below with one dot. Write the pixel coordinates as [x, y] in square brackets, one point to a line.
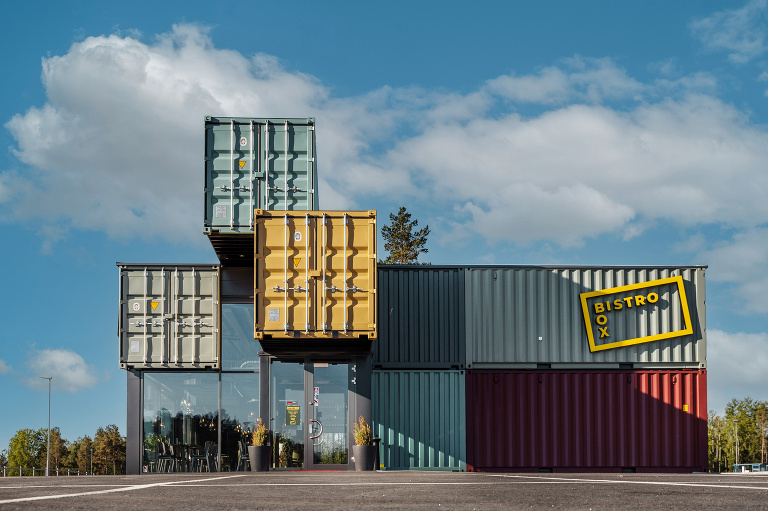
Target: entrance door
[310, 414]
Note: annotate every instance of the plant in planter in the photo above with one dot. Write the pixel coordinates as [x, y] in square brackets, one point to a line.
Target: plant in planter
[364, 450]
[259, 451]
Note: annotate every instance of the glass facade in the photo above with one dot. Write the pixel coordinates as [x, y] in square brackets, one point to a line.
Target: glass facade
[239, 415]
[288, 412]
[239, 350]
[181, 413]
[181, 409]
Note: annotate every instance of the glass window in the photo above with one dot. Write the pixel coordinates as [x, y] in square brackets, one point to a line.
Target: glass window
[288, 414]
[239, 415]
[180, 420]
[239, 350]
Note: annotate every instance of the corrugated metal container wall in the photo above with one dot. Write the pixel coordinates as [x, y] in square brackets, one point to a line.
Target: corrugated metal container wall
[576, 420]
[421, 318]
[257, 164]
[420, 418]
[533, 315]
[315, 274]
[169, 317]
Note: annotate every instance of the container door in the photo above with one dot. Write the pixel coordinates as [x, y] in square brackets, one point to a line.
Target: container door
[289, 289]
[346, 291]
[232, 172]
[289, 166]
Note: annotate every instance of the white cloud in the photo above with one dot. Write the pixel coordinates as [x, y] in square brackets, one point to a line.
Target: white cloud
[736, 365]
[743, 261]
[69, 371]
[117, 146]
[5, 368]
[741, 32]
[592, 80]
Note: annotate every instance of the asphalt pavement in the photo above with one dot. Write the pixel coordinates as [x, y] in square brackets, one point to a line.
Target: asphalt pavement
[385, 490]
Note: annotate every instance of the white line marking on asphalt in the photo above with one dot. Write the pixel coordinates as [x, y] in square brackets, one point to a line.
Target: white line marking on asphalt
[112, 490]
[626, 481]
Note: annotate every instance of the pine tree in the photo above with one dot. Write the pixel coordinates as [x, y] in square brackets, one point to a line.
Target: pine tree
[402, 244]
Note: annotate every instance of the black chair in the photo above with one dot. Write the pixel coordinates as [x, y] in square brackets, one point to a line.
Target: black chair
[242, 456]
[165, 460]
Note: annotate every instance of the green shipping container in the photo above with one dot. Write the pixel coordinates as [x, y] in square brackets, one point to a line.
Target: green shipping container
[253, 164]
[420, 418]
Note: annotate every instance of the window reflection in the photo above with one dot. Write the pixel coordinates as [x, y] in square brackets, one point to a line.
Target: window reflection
[180, 421]
[239, 414]
[239, 350]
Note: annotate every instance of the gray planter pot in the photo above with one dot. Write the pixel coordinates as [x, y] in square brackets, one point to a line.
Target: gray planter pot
[365, 456]
[259, 457]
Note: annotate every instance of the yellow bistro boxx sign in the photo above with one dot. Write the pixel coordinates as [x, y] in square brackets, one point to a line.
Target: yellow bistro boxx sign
[618, 316]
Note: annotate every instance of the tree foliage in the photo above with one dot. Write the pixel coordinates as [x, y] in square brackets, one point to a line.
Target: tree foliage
[27, 448]
[402, 244]
[739, 436]
[109, 451]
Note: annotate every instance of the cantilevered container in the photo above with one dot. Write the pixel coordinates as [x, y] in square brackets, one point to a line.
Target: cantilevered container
[315, 274]
[169, 316]
[632, 421]
[256, 163]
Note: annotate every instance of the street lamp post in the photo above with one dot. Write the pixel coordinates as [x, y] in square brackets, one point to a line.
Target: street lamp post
[48, 458]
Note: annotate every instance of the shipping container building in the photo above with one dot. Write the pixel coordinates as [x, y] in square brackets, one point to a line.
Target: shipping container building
[505, 368]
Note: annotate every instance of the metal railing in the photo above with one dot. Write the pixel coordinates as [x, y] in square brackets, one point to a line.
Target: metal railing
[21, 471]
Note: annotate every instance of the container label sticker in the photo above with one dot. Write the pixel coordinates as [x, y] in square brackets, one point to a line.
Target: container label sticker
[620, 316]
[221, 212]
[297, 236]
[274, 315]
[243, 141]
[136, 306]
[134, 346]
[296, 261]
[154, 305]
[317, 394]
[242, 164]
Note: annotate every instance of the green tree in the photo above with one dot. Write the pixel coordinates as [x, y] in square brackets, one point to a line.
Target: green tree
[58, 449]
[84, 454]
[716, 430]
[402, 244]
[109, 450]
[27, 448]
[745, 431]
[3, 459]
[70, 461]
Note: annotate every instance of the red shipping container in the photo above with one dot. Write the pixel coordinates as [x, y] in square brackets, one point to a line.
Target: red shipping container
[644, 421]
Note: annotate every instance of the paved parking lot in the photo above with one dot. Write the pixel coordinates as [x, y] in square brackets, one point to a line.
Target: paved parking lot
[385, 490]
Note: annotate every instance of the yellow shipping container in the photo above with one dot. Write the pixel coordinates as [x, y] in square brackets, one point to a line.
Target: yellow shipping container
[315, 274]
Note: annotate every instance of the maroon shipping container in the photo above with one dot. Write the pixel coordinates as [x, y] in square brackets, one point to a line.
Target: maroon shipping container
[644, 421]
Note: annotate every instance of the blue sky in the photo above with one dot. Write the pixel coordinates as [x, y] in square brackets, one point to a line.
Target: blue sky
[523, 133]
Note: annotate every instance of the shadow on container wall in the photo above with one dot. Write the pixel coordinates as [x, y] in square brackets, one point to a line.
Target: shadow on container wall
[644, 421]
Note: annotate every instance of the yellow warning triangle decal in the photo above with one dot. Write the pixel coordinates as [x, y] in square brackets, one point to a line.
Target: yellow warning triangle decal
[242, 164]
[154, 305]
[296, 261]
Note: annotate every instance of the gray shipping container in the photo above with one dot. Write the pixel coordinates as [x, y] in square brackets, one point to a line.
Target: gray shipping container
[421, 420]
[529, 316]
[257, 163]
[169, 317]
[421, 318]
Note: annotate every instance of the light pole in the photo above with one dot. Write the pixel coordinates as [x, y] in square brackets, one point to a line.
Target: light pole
[48, 458]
